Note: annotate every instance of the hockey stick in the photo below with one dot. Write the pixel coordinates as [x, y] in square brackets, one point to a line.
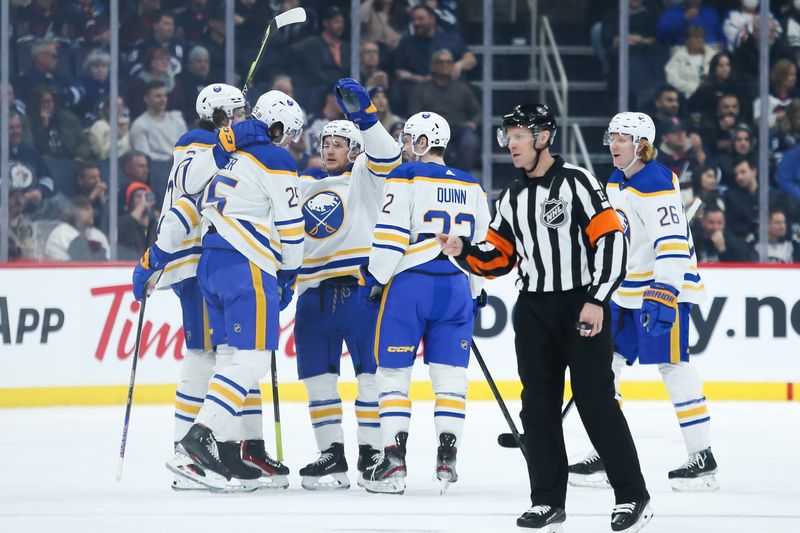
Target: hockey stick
[276, 409]
[130, 389]
[293, 16]
[514, 433]
[507, 440]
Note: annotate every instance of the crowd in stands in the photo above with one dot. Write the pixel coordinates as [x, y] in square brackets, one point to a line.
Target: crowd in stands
[694, 66]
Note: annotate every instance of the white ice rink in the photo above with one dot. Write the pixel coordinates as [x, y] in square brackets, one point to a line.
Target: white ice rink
[58, 466]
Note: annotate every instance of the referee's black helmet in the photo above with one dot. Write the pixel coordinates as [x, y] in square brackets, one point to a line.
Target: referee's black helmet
[535, 117]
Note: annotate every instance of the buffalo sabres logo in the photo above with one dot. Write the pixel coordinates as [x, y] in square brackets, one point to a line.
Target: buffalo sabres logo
[554, 213]
[626, 227]
[324, 214]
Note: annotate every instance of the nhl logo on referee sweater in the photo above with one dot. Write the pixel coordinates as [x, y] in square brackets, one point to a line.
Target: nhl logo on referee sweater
[554, 213]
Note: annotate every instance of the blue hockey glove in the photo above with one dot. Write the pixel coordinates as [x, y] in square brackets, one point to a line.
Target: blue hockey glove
[659, 309]
[148, 270]
[369, 289]
[356, 103]
[479, 303]
[286, 280]
[241, 135]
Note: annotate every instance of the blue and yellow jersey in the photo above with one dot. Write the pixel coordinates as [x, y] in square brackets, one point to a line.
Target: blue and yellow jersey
[661, 248]
[254, 205]
[340, 211]
[419, 201]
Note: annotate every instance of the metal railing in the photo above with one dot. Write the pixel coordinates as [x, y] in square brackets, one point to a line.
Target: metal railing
[576, 141]
[560, 86]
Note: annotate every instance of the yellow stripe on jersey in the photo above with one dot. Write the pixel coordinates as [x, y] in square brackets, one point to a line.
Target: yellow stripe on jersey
[186, 208]
[194, 145]
[190, 242]
[261, 307]
[422, 247]
[264, 168]
[391, 237]
[331, 274]
[291, 232]
[313, 260]
[254, 245]
[178, 264]
[379, 168]
[682, 247]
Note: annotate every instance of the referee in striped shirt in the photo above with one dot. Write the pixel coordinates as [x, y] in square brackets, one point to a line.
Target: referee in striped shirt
[556, 225]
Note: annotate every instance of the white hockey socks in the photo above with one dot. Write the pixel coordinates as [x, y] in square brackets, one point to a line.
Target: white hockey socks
[325, 408]
[369, 424]
[250, 425]
[618, 363]
[228, 389]
[196, 371]
[393, 403]
[686, 391]
[450, 388]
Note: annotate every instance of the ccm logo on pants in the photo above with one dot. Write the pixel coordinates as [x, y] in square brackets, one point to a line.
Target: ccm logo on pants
[401, 349]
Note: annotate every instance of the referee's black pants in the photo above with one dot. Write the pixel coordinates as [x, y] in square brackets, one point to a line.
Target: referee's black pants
[546, 343]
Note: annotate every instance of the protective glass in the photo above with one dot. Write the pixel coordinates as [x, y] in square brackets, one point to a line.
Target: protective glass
[294, 134]
[504, 139]
[607, 137]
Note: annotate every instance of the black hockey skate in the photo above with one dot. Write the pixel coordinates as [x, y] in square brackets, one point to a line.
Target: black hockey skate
[244, 476]
[543, 518]
[367, 457]
[697, 474]
[632, 516]
[446, 461]
[591, 472]
[197, 458]
[274, 474]
[181, 483]
[388, 475]
[328, 472]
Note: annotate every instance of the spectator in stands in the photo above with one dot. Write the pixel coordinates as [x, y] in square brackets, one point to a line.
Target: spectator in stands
[397, 129]
[42, 72]
[741, 23]
[455, 101]
[96, 85]
[706, 186]
[299, 153]
[371, 73]
[445, 11]
[381, 101]
[647, 57]
[316, 122]
[689, 63]
[786, 133]
[76, 238]
[714, 244]
[789, 180]
[135, 167]
[667, 104]
[99, 133]
[213, 41]
[136, 23]
[192, 80]
[741, 201]
[137, 227]
[87, 22]
[681, 153]
[675, 21]
[90, 185]
[743, 146]
[26, 160]
[383, 21]
[283, 83]
[747, 56]
[156, 68]
[781, 248]
[161, 36]
[782, 90]
[156, 130]
[191, 23]
[38, 19]
[320, 60]
[720, 80]
[790, 27]
[56, 132]
[249, 18]
[18, 107]
[21, 241]
[716, 130]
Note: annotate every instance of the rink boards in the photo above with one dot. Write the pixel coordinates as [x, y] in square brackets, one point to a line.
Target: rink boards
[67, 335]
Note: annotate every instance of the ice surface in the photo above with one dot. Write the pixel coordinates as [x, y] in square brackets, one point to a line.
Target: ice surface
[58, 468]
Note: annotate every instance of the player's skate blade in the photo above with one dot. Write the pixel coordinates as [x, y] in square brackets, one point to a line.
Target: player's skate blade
[386, 486]
[183, 466]
[183, 484]
[698, 474]
[328, 472]
[335, 481]
[631, 517]
[274, 474]
[543, 519]
[590, 473]
[446, 461]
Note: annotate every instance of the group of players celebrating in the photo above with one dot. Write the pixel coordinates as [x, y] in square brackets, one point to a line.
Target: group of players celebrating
[361, 245]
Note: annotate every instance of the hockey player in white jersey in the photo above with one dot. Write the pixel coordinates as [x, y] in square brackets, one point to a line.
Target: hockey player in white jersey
[252, 235]
[172, 260]
[423, 296]
[650, 310]
[340, 209]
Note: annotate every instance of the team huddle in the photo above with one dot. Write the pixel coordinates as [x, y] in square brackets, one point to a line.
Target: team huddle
[384, 255]
[241, 233]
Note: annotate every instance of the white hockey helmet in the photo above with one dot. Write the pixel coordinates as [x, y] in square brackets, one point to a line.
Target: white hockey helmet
[432, 125]
[218, 96]
[346, 129]
[275, 107]
[638, 125]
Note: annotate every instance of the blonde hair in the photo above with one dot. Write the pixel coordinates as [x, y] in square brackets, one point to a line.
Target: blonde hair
[647, 152]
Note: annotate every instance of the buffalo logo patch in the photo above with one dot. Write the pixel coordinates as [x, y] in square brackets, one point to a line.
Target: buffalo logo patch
[554, 213]
[324, 214]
